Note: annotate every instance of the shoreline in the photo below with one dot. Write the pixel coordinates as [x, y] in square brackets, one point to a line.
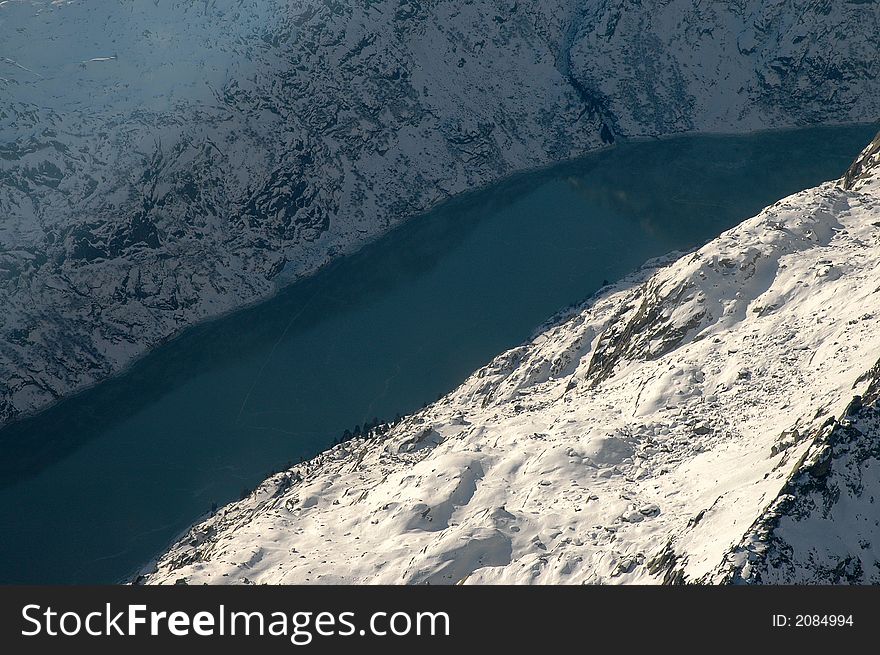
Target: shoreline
[355, 248]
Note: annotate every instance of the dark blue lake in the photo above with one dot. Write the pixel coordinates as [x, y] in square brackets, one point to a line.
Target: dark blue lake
[97, 485]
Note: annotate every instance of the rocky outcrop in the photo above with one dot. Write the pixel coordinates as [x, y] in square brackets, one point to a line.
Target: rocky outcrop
[823, 527]
[865, 167]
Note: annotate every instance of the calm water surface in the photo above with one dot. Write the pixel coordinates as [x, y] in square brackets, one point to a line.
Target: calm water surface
[96, 486]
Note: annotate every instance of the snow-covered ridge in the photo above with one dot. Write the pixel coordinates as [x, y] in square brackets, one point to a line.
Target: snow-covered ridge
[712, 418]
[164, 162]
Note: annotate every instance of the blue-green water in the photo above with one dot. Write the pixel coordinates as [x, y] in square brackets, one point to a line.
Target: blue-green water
[96, 486]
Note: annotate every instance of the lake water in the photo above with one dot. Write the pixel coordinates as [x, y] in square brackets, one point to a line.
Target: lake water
[96, 486]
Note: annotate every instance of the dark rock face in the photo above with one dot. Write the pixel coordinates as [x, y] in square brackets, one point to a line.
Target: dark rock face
[645, 329]
[865, 166]
[824, 527]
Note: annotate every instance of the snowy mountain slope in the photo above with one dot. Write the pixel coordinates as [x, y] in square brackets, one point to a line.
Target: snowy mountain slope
[164, 162]
[675, 428]
[823, 526]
